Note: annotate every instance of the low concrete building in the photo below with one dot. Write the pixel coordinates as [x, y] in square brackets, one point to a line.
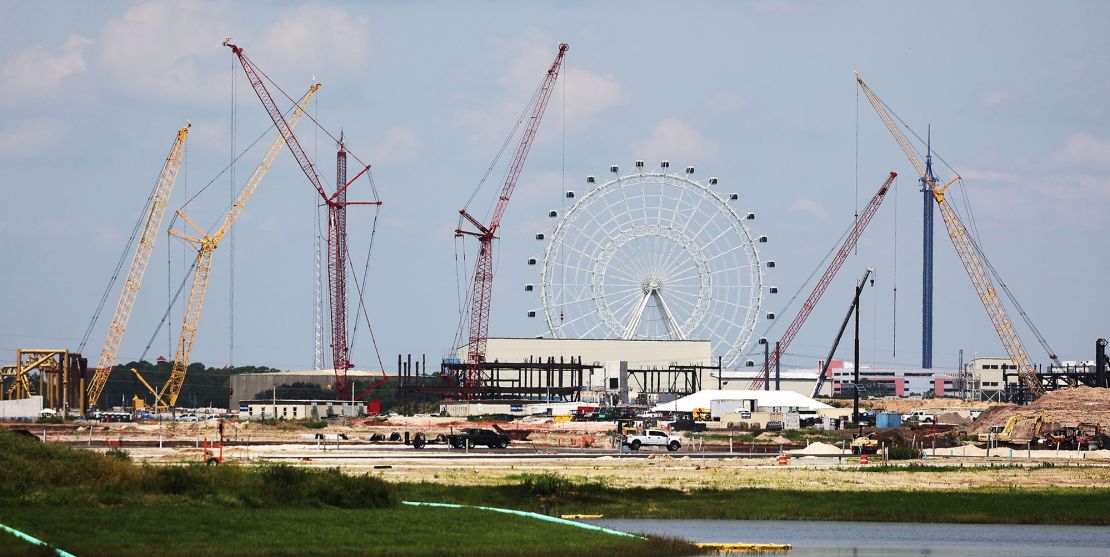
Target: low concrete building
[246, 386]
[280, 409]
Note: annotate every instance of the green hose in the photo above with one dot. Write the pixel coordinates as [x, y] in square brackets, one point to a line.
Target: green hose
[527, 514]
[31, 539]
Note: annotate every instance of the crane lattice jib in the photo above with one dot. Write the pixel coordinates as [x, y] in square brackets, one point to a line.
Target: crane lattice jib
[890, 125]
[823, 284]
[989, 296]
[139, 261]
[279, 119]
[206, 247]
[482, 288]
[965, 248]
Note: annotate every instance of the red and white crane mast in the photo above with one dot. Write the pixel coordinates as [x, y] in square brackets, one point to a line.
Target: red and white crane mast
[337, 220]
[482, 288]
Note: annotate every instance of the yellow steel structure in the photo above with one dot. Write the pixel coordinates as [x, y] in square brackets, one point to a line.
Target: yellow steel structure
[206, 246]
[157, 398]
[968, 255]
[139, 261]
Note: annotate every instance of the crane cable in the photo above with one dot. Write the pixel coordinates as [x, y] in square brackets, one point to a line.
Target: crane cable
[465, 302]
[119, 266]
[973, 237]
[820, 264]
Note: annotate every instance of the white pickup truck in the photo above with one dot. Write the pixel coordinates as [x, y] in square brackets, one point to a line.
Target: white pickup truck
[653, 438]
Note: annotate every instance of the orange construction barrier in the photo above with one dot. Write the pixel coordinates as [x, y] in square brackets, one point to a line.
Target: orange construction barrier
[863, 459]
[783, 459]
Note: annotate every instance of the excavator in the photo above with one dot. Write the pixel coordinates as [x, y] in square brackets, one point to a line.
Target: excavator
[1003, 434]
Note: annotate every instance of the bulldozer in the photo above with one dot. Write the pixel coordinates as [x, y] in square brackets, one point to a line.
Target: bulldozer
[1004, 434]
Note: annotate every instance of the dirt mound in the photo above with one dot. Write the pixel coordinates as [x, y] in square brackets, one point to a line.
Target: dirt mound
[817, 448]
[1060, 408]
[905, 406]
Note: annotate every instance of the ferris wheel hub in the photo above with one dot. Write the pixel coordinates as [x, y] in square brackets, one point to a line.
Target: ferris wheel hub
[651, 284]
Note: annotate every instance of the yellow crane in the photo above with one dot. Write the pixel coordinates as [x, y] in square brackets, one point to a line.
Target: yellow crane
[139, 261]
[206, 246]
[965, 248]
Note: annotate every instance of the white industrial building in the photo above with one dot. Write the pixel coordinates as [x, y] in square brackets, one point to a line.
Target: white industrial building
[756, 408]
[638, 353]
[750, 401]
[279, 409]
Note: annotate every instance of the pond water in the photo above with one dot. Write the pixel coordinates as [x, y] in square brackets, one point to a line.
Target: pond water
[894, 539]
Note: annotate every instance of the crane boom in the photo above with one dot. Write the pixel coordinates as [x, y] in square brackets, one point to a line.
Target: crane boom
[823, 284]
[969, 255]
[839, 334]
[335, 202]
[482, 288]
[206, 247]
[139, 261]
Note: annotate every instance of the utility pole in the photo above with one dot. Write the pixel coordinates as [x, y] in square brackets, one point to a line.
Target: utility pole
[855, 397]
[778, 360]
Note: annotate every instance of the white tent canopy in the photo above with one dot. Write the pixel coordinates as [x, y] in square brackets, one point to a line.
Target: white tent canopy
[763, 399]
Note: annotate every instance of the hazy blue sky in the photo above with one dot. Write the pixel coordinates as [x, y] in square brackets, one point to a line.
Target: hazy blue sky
[759, 94]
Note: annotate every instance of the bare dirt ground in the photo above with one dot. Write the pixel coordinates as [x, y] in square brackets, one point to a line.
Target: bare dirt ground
[593, 459]
[1060, 408]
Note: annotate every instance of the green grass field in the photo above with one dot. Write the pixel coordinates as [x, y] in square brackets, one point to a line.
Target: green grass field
[92, 504]
[1006, 506]
[192, 529]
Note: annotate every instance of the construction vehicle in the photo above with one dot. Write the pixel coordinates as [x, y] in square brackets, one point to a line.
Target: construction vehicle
[971, 256]
[139, 261]
[865, 444]
[1003, 434]
[1084, 435]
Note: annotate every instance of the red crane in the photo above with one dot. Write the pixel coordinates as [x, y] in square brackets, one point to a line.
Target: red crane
[337, 221]
[830, 273]
[482, 289]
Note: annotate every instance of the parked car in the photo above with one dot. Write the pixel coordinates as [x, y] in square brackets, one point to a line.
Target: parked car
[472, 437]
[653, 438]
[685, 424]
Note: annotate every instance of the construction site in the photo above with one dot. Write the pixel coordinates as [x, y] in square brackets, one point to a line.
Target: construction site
[659, 363]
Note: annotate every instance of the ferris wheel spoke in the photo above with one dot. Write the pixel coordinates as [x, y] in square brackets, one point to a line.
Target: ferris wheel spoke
[666, 228]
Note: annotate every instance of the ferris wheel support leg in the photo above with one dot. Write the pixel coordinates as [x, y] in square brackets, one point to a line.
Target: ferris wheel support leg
[668, 317]
[634, 321]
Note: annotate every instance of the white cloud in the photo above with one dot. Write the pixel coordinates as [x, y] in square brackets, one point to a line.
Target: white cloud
[809, 207]
[169, 50]
[35, 71]
[173, 50]
[29, 137]
[587, 93]
[317, 39]
[399, 146]
[993, 97]
[676, 141]
[1085, 151]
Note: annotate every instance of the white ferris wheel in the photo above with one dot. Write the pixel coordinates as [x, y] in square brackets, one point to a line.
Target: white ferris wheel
[654, 255]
